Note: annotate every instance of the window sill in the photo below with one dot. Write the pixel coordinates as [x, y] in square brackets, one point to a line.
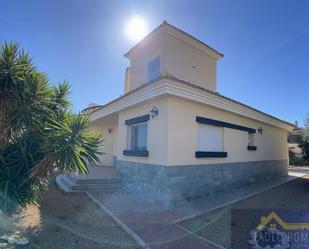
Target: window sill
[137, 153]
[251, 147]
[210, 154]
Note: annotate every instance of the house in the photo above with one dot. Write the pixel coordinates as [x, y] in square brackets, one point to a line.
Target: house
[172, 137]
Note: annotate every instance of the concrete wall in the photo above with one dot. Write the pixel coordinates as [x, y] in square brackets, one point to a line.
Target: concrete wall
[182, 136]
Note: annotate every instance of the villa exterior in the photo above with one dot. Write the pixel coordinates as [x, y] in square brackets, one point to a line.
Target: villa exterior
[172, 136]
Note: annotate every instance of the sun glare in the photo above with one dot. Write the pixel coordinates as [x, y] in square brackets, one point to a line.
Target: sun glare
[136, 28]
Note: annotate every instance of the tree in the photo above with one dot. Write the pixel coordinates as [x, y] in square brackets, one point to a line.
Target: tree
[38, 131]
[304, 144]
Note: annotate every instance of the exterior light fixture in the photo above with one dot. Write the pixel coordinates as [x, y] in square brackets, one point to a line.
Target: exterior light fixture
[260, 130]
[109, 130]
[154, 112]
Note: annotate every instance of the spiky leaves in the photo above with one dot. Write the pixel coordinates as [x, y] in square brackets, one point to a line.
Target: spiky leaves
[14, 66]
[38, 132]
[69, 147]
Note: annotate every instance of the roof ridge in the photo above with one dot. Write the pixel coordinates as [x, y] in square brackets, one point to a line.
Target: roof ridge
[178, 29]
[193, 37]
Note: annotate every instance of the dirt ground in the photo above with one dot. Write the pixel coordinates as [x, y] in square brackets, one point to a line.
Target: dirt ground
[216, 225]
[69, 222]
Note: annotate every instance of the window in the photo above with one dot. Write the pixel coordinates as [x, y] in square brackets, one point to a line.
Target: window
[153, 69]
[210, 138]
[251, 145]
[137, 136]
[250, 139]
[137, 140]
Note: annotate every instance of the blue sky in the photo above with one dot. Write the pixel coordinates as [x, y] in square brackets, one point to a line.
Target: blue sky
[265, 43]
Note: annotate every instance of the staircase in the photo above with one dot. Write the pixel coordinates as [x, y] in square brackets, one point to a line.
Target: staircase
[108, 181]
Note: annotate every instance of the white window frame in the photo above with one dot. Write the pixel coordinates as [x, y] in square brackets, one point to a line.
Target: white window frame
[129, 137]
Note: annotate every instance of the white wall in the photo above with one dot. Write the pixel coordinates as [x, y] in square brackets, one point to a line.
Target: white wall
[109, 139]
[157, 132]
[150, 49]
[172, 135]
[180, 60]
[182, 136]
[177, 58]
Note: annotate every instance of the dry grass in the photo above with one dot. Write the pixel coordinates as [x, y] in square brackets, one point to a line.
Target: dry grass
[69, 222]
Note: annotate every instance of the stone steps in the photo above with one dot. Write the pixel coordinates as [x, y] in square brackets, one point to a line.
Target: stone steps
[93, 181]
[71, 184]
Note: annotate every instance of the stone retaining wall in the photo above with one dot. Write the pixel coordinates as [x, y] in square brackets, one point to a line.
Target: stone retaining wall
[171, 184]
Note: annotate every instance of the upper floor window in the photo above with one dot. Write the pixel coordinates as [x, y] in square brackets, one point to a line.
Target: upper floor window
[153, 69]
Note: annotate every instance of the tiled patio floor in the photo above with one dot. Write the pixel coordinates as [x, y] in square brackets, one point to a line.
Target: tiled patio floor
[155, 224]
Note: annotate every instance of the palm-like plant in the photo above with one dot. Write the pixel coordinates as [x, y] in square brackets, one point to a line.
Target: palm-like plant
[38, 132]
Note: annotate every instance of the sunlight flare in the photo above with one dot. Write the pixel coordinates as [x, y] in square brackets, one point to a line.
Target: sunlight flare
[136, 28]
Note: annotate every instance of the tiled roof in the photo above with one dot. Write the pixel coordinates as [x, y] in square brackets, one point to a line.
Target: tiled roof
[178, 29]
[98, 107]
[171, 77]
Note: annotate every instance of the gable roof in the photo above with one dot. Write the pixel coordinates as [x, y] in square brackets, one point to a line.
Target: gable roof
[93, 109]
[165, 23]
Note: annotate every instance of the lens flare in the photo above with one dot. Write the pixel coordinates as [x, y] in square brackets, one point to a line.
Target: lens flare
[136, 28]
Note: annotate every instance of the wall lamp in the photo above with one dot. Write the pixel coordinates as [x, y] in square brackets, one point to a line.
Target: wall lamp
[154, 112]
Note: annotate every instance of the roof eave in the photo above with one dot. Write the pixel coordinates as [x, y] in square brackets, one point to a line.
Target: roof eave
[149, 87]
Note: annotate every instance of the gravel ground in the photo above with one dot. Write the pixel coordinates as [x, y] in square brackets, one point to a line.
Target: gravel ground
[67, 222]
[216, 225]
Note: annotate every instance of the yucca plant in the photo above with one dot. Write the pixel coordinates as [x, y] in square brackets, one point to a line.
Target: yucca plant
[38, 132]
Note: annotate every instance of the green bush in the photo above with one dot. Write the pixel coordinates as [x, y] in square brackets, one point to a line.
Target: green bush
[304, 143]
[38, 132]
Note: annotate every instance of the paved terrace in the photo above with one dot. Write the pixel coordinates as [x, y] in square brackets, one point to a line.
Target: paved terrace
[155, 226]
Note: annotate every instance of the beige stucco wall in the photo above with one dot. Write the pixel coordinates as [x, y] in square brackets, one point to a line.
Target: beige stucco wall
[109, 142]
[172, 135]
[137, 73]
[187, 63]
[157, 132]
[177, 58]
[182, 136]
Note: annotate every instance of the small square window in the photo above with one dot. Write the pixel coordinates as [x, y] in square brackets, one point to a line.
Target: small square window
[250, 139]
[137, 139]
